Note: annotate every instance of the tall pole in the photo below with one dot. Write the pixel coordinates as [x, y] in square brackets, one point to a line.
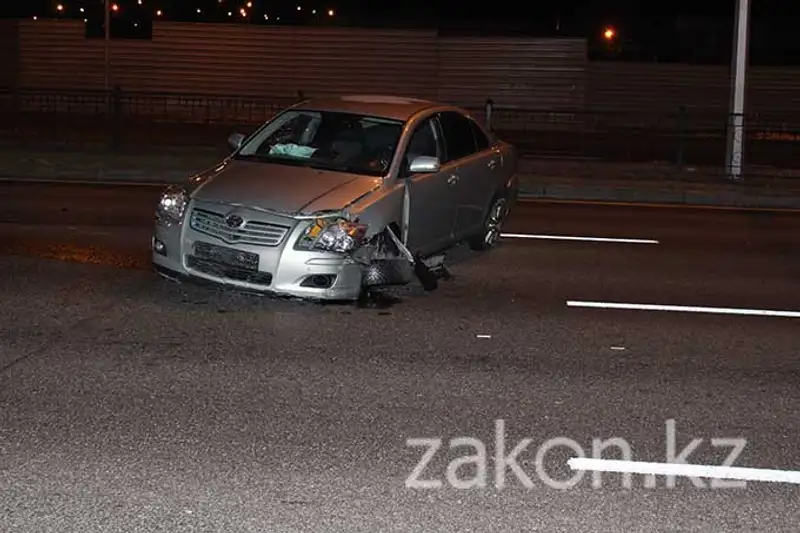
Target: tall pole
[741, 47]
[106, 42]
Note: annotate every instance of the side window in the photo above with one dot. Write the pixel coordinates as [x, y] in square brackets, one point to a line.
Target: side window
[458, 136]
[422, 142]
[481, 140]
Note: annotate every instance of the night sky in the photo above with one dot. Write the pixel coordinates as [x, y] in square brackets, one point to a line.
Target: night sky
[695, 32]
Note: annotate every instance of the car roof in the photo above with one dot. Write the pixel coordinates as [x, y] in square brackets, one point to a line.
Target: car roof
[386, 106]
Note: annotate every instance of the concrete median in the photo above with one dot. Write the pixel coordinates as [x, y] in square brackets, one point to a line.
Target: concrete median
[540, 178]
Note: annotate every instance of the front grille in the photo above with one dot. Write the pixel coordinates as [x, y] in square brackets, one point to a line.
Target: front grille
[251, 232]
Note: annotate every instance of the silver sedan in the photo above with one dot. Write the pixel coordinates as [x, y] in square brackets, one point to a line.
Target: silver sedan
[337, 194]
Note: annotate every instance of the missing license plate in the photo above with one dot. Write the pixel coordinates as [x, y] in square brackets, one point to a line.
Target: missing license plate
[226, 256]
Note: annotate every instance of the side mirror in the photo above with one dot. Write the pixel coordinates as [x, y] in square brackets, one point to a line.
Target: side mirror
[235, 140]
[424, 164]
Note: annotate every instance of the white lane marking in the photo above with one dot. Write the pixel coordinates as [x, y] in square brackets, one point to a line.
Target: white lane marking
[484, 336]
[687, 470]
[686, 309]
[575, 238]
[618, 348]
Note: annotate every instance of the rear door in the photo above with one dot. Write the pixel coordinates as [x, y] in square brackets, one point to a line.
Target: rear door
[434, 201]
[471, 163]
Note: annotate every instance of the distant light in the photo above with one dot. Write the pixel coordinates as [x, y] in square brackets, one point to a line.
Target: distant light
[135, 24]
[82, 10]
[159, 13]
[243, 12]
[199, 10]
[230, 13]
[114, 7]
[140, 2]
[249, 5]
[609, 33]
[313, 11]
[299, 8]
[60, 7]
[330, 12]
[266, 17]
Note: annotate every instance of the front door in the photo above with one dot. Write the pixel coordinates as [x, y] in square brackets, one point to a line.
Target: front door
[434, 198]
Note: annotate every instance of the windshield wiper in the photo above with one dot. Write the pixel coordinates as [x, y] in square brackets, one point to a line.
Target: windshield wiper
[271, 159]
[316, 165]
[250, 157]
[339, 168]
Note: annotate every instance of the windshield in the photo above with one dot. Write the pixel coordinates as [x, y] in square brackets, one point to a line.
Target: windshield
[326, 140]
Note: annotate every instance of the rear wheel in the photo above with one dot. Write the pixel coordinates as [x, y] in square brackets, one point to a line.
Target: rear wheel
[492, 226]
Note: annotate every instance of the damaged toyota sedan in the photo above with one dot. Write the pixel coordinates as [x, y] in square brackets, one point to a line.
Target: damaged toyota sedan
[336, 195]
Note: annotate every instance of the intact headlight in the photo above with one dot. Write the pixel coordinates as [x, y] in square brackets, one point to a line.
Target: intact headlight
[172, 205]
[332, 235]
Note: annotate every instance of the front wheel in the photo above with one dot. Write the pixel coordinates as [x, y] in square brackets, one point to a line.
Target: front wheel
[492, 226]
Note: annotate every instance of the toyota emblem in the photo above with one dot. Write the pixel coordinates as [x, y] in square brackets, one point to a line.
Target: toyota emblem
[234, 221]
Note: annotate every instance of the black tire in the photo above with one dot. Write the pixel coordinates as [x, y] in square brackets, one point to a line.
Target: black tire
[492, 225]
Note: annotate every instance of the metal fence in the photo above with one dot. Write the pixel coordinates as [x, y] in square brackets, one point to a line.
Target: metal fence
[683, 137]
[124, 120]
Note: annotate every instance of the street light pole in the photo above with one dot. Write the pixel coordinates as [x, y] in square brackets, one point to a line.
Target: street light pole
[106, 42]
[741, 47]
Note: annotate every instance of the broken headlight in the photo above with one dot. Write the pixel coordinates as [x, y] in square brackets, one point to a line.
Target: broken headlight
[332, 235]
[172, 205]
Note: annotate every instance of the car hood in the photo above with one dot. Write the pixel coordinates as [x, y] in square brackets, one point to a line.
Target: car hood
[286, 189]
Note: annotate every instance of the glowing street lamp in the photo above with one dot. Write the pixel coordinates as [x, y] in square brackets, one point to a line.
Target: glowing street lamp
[609, 34]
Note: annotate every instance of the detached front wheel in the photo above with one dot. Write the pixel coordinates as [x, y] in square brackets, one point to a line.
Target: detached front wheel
[492, 226]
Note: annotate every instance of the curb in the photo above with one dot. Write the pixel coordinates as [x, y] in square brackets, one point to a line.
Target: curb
[699, 197]
[87, 181]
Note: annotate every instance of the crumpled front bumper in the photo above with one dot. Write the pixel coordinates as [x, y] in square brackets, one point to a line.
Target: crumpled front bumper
[280, 270]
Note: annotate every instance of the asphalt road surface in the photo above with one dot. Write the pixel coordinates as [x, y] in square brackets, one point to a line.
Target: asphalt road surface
[128, 403]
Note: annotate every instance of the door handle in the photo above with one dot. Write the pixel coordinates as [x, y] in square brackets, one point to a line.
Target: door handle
[452, 180]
